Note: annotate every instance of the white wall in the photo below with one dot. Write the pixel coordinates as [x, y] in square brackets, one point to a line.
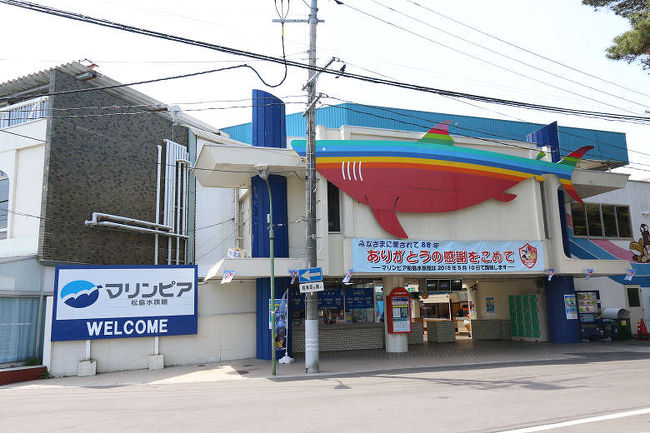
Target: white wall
[226, 331]
[215, 221]
[22, 160]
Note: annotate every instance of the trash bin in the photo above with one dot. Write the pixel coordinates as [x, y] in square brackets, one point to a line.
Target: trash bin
[624, 329]
[621, 317]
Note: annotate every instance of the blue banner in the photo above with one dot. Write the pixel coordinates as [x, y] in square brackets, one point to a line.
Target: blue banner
[359, 298]
[416, 256]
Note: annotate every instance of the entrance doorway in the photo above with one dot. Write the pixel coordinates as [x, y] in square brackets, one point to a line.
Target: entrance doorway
[634, 306]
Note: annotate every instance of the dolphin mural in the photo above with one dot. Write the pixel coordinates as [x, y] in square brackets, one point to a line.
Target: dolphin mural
[430, 175]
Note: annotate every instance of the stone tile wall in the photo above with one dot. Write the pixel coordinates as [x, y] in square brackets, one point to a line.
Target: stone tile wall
[100, 160]
[342, 337]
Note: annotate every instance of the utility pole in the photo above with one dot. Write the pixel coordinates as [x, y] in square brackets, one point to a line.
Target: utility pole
[311, 299]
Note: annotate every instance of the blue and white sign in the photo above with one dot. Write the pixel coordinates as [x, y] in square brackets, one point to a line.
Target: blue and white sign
[413, 256]
[310, 275]
[96, 302]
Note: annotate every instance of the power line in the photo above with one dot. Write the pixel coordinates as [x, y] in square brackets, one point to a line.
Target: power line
[484, 60]
[494, 134]
[519, 47]
[562, 77]
[399, 84]
[493, 140]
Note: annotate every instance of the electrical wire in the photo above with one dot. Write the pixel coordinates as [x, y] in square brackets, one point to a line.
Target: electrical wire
[496, 65]
[519, 47]
[562, 77]
[491, 140]
[398, 84]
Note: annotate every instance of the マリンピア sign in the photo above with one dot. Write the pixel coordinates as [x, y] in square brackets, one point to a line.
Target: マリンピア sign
[393, 256]
[96, 302]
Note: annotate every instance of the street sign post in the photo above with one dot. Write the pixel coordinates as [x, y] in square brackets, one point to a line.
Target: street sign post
[312, 287]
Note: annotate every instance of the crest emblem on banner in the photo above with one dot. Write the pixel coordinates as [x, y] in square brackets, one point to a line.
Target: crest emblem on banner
[528, 255]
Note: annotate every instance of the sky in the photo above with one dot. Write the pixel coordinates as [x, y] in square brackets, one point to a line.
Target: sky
[416, 46]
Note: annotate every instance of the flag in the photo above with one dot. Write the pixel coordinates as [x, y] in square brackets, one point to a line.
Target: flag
[347, 277]
[589, 272]
[551, 272]
[294, 275]
[629, 275]
[227, 276]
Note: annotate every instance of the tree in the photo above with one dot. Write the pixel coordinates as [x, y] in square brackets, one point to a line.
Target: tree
[635, 43]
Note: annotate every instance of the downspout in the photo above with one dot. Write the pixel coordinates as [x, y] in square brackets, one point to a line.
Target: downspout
[155, 256]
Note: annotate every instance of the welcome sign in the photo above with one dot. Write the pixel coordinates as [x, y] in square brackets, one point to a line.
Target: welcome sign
[96, 302]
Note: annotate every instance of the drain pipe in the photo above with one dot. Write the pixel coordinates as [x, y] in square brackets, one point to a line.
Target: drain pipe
[109, 224]
[155, 255]
[100, 218]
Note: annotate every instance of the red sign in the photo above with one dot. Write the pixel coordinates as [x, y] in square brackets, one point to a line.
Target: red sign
[528, 255]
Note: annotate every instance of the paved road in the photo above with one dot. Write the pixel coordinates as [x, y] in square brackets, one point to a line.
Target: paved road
[471, 399]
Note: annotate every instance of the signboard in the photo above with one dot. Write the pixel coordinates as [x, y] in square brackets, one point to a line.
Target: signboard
[97, 302]
[399, 311]
[359, 298]
[489, 305]
[398, 256]
[310, 275]
[312, 287]
[570, 307]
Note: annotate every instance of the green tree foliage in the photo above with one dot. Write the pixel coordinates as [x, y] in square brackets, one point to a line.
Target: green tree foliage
[635, 43]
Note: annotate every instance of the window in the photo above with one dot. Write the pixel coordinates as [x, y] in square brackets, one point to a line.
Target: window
[623, 220]
[633, 299]
[594, 225]
[601, 220]
[333, 208]
[579, 219]
[4, 204]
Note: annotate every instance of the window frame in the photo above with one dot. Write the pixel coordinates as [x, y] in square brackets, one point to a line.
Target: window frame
[602, 221]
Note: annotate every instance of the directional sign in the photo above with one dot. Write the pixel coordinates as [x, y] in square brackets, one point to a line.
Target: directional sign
[310, 275]
[312, 287]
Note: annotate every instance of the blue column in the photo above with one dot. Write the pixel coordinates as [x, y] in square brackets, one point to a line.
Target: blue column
[268, 130]
[263, 342]
[562, 330]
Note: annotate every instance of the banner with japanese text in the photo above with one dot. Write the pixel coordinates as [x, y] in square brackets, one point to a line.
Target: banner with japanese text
[399, 256]
[96, 302]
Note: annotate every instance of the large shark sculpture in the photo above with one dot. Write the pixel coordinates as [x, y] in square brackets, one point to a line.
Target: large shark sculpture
[431, 175]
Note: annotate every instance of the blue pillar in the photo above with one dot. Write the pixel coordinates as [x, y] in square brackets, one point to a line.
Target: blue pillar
[263, 342]
[269, 130]
[562, 330]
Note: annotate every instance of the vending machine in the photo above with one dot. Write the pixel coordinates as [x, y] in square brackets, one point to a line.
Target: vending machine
[591, 327]
[398, 311]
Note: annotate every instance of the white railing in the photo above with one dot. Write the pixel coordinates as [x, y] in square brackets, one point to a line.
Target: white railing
[23, 112]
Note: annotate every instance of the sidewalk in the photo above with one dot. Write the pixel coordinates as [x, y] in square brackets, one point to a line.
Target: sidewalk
[462, 354]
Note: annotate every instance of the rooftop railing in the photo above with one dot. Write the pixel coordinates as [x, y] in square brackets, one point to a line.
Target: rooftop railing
[23, 112]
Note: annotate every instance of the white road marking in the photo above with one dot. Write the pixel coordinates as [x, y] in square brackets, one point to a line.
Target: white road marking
[579, 421]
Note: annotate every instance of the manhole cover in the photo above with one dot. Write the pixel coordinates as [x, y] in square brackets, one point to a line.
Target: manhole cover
[238, 372]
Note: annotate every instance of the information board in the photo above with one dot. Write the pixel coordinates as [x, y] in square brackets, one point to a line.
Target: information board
[97, 302]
